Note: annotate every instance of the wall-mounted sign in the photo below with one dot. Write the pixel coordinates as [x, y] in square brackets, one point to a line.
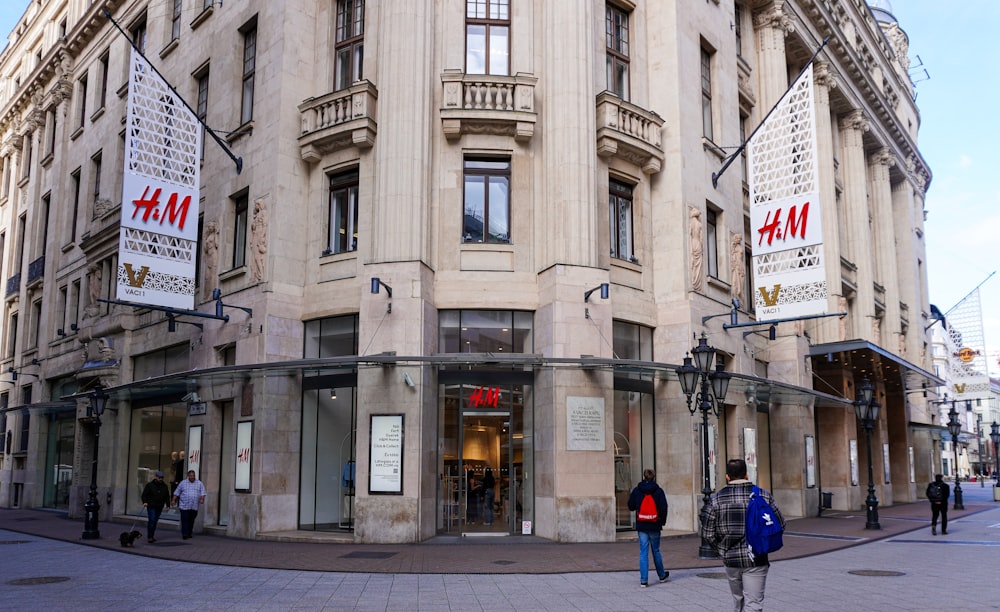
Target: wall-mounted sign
[750, 452]
[853, 458]
[810, 461]
[244, 454]
[584, 423]
[197, 408]
[385, 456]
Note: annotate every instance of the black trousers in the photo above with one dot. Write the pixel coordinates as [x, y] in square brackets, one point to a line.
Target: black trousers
[940, 508]
[187, 522]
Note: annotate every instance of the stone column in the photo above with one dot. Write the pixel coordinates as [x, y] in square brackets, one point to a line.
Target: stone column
[910, 277]
[771, 25]
[884, 236]
[860, 250]
[827, 329]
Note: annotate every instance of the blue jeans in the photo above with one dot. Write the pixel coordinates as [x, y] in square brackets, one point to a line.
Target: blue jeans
[154, 517]
[647, 540]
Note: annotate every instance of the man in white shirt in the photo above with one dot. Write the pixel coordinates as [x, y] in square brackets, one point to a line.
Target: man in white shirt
[188, 495]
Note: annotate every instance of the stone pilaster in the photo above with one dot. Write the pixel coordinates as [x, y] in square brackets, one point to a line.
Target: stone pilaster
[771, 25]
[827, 329]
[885, 245]
[860, 249]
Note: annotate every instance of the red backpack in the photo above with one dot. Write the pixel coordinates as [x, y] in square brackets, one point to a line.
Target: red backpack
[647, 510]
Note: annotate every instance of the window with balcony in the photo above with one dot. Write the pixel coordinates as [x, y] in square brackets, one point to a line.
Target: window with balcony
[350, 43]
[240, 219]
[487, 37]
[343, 226]
[487, 200]
[249, 70]
[617, 35]
[620, 218]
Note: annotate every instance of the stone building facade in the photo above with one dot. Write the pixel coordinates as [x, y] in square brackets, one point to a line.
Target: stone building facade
[467, 235]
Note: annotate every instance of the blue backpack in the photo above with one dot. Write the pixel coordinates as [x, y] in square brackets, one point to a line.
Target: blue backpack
[762, 526]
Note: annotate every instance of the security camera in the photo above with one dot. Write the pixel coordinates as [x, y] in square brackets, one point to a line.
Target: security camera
[409, 381]
[191, 397]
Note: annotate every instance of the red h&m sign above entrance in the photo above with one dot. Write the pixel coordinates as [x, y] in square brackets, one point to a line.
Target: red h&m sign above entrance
[485, 397]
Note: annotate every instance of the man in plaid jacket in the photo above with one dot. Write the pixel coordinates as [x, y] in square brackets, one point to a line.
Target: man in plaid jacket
[725, 529]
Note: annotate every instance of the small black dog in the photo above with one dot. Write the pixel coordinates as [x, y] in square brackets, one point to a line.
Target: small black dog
[128, 538]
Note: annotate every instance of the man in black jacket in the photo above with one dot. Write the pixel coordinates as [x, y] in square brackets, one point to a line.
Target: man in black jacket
[938, 493]
[649, 520]
[155, 495]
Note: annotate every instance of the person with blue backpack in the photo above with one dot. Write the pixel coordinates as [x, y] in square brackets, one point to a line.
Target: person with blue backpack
[744, 524]
[649, 503]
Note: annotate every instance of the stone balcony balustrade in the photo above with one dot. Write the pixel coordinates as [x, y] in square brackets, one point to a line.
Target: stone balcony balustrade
[629, 132]
[488, 104]
[337, 120]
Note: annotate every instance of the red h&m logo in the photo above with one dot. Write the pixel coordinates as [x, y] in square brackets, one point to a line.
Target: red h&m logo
[195, 456]
[243, 456]
[794, 225]
[485, 396]
[174, 213]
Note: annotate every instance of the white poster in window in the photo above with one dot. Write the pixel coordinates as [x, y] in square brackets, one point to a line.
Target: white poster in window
[194, 450]
[244, 453]
[750, 452]
[854, 462]
[810, 461]
[913, 475]
[885, 462]
[584, 423]
[711, 456]
[385, 467]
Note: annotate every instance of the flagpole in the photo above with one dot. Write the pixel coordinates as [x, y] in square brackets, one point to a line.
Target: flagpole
[971, 292]
[729, 160]
[237, 160]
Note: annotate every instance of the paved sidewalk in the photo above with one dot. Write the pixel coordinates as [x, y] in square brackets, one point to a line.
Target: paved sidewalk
[449, 555]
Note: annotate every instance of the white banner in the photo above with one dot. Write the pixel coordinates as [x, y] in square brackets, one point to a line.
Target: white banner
[966, 345]
[785, 217]
[159, 220]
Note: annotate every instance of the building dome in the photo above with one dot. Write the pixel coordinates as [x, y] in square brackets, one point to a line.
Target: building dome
[882, 10]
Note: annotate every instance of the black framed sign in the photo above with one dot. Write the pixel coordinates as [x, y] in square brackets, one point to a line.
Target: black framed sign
[244, 453]
[385, 455]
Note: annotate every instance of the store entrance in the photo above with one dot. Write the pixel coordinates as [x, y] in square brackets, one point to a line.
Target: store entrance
[486, 469]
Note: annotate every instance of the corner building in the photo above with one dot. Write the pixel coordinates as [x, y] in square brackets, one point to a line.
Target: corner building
[412, 260]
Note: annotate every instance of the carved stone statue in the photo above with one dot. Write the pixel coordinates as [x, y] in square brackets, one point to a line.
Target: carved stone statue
[842, 321]
[695, 233]
[258, 240]
[95, 275]
[737, 267]
[210, 248]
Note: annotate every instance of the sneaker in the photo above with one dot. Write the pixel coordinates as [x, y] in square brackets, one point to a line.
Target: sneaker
[933, 529]
[665, 576]
[643, 585]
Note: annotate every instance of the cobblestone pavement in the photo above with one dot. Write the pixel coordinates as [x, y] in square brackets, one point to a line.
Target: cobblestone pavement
[908, 569]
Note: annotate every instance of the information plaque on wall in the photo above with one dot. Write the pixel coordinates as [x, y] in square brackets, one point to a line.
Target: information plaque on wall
[385, 456]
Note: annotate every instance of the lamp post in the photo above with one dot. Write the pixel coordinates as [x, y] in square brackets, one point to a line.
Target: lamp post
[709, 390]
[866, 410]
[979, 439]
[955, 428]
[91, 509]
[995, 438]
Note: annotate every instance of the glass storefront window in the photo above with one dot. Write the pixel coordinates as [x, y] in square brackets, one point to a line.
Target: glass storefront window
[485, 331]
[59, 459]
[157, 432]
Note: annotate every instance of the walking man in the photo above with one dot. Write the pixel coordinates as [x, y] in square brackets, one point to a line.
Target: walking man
[189, 495]
[937, 493]
[155, 495]
[650, 506]
[725, 529]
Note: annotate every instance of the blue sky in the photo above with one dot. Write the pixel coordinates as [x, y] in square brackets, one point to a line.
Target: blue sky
[959, 134]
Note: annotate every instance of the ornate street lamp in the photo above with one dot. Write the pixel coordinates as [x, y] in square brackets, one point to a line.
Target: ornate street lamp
[708, 399]
[955, 428]
[91, 509]
[979, 439]
[866, 410]
[995, 438]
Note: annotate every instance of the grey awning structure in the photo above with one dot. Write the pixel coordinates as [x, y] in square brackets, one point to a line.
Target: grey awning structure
[173, 386]
[867, 359]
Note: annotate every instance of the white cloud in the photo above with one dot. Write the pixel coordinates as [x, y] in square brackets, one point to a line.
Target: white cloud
[964, 161]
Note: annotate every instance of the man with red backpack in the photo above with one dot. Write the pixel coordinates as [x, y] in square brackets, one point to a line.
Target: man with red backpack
[650, 506]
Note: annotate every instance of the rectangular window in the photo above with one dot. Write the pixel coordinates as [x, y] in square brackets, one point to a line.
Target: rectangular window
[240, 218]
[74, 304]
[620, 213]
[487, 200]
[349, 50]
[96, 166]
[616, 33]
[706, 93]
[34, 324]
[202, 105]
[138, 34]
[175, 21]
[487, 37]
[104, 80]
[61, 306]
[738, 28]
[6, 176]
[83, 101]
[44, 218]
[712, 242]
[26, 155]
[22, 229]
[249, 71]
[343, 228]
[12, 335]
[75, 177]
[50, 121]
